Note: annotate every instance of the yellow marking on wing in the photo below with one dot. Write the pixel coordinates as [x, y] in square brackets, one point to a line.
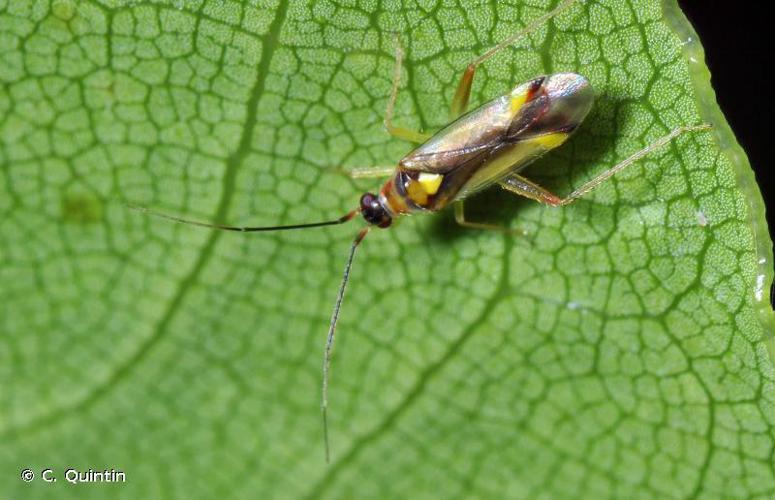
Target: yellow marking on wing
[511, 160]
[550, 141]
[426, 185]
[518, 101]
[416, 193]
[430, 182]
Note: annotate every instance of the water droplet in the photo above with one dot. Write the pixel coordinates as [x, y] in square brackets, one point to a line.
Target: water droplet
[759, 291]
[701, 219]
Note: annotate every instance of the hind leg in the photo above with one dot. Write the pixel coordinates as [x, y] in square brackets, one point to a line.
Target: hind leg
[529, 189]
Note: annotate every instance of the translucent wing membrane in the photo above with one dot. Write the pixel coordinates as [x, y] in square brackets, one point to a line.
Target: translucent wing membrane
[502, 136]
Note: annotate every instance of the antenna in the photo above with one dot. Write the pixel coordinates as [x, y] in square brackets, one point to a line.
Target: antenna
[244, 229]
[331, 330]
[339, 298]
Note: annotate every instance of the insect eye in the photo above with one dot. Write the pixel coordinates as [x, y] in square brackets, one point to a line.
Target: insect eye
[373, 211]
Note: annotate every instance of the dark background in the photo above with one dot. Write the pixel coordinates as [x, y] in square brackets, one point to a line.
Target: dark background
[738, 51]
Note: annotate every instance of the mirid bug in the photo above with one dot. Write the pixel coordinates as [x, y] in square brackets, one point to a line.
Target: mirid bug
[488, 145]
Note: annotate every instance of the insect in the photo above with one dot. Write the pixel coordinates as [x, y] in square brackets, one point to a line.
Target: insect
[488, 145]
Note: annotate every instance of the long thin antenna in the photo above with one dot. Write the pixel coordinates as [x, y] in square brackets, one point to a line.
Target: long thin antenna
[330, 339]
[245, 229]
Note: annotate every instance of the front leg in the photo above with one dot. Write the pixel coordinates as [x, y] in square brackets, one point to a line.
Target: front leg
[369, 172]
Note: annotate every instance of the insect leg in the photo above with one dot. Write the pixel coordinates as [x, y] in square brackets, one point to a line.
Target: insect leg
[521, 186]
[463, 92]
[370, 172]
[529, 189]
[400, 132]
[460, 218]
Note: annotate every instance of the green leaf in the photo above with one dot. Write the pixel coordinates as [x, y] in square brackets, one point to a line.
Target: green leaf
[620, 351]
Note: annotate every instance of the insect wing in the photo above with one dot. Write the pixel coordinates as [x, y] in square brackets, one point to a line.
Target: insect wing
[502, 136]
[464, 139]
[542, 123]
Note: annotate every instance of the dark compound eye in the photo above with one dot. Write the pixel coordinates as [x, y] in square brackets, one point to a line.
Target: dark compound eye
[373, 211]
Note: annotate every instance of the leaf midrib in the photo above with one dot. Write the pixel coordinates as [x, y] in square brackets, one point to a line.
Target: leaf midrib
[269, 43]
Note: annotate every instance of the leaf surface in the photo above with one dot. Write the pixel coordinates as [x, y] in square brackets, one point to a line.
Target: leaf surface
[619, 351]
